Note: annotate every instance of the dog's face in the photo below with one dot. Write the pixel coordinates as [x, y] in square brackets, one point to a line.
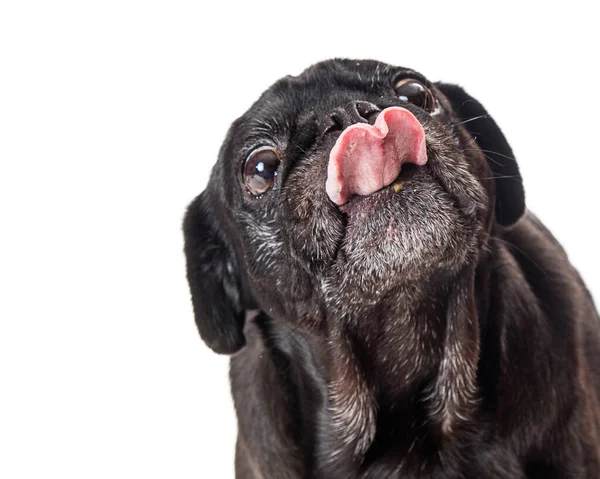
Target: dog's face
[336, 188]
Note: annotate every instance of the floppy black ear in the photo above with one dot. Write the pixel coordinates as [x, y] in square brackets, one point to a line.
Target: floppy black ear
[510, 196]
[213, 279]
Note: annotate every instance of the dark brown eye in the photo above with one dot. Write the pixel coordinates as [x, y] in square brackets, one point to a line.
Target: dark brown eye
[260, 170]
[413, 91]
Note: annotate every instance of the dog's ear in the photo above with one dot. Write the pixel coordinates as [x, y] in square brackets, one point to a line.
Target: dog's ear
[510, 196]
[213, 279]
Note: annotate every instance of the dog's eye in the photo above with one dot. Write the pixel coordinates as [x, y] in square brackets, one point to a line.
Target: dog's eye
[415, 92]
[260, 170]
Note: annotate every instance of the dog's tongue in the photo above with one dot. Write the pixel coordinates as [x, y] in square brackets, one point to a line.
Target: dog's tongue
[367, 158]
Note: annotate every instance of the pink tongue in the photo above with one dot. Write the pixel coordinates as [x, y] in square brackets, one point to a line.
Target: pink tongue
[367, 158]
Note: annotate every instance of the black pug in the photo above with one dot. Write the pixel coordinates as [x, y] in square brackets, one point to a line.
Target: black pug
[364, 252]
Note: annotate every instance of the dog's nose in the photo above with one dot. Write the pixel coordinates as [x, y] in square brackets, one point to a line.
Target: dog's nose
[350, 114]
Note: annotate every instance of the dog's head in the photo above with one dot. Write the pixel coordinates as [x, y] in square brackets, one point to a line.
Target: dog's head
[337, 187]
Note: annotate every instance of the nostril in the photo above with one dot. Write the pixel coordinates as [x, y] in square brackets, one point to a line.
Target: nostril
[338, 120]
[332, 123]
[372, 116]
[368, 111]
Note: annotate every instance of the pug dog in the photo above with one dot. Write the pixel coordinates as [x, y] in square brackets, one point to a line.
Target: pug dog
[392, 309]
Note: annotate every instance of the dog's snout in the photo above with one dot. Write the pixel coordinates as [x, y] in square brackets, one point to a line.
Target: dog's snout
[353, 112]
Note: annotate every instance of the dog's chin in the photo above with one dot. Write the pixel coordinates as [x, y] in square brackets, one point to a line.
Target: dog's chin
[411, 228]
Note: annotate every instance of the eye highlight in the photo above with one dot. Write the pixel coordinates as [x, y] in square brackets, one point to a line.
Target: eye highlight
[260, 170]
[413, 91]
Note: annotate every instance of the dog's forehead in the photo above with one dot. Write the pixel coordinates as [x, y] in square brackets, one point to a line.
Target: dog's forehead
[324, 86]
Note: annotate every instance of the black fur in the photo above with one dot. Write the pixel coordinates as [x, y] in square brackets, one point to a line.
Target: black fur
[212, 275]
[437, 331]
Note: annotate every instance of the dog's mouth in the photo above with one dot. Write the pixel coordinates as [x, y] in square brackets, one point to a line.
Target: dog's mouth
[402, 186]
[412, 214]
[391, 162]
[368, 158]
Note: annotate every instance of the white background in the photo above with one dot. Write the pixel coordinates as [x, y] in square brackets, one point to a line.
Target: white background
[111, 115]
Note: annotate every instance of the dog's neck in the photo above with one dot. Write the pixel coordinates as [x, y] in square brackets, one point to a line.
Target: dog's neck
[406, 368]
